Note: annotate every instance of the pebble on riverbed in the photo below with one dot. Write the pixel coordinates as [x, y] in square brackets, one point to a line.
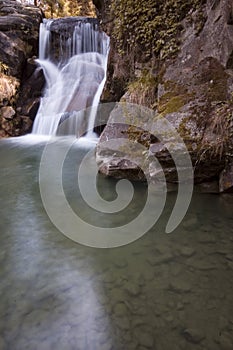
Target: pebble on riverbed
[193, 335]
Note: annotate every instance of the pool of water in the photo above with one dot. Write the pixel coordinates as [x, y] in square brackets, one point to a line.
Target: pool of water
[161, 292]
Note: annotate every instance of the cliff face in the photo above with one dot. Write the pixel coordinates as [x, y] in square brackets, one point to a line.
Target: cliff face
[192, 88]
[19, 84]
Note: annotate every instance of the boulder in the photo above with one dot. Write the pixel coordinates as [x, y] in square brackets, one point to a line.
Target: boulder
[192, 90]
[7, 112]
[8, 87]
[19, 34]
[19, 27]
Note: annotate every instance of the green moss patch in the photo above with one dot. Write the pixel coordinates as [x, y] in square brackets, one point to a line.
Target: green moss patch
[172, 105]
[151, 28]
[143, 90]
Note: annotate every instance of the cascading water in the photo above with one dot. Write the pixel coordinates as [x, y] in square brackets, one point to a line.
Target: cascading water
[73, 53]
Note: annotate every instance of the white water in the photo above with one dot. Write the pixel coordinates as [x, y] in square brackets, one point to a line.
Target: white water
[74, 81]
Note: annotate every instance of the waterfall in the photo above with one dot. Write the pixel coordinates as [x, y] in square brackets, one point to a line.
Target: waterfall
[73, 54]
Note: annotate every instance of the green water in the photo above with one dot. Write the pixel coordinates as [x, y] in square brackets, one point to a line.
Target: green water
[161, 292]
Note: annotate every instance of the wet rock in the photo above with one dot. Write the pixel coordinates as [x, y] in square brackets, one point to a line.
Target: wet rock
[176, 269]
[122, 323]
[180, 306]
[229, 257]
[141, 281]
[149, 274]
[206, 238]
[193, 335]
[146, 340]
[203, 265]
[140, 311]
[132, 289]
[225, 341]
[211, 305]
[117, 294]
[113, 159]
[208, 187]
[32, 87]
[132, 345]
[139, 322]
[33, 108]
[121, 280]
[223, 323]
[180, 286]
[222, 250]
[120, 263]
[26, 125]
[154, 260]
[190, 222]
[186, 251]
[120, 309]
[169, 318]
[226, 179]
[108, 277]
[127, 337]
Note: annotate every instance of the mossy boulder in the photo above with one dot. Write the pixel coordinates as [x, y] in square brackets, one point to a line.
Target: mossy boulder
[192, 88]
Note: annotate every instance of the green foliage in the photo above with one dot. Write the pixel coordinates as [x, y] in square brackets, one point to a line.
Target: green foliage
[62, 8]
[150, 27]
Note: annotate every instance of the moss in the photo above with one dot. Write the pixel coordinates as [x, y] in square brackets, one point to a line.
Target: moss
[143, 90]
[172, 105]
[174, 88]
[174, 99]
[140, 136]
[151, 28]
[200, 21]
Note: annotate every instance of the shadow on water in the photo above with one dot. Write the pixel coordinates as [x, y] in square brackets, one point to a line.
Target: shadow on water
[164, 291]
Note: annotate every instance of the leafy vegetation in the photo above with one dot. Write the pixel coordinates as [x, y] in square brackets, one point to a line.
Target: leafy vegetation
[62, 8]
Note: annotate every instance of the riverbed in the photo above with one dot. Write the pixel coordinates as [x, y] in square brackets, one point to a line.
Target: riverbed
[161, 292]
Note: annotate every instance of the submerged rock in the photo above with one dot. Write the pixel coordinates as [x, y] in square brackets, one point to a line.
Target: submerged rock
[193, 335]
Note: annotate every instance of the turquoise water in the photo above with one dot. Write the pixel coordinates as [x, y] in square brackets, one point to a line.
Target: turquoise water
[161, 292]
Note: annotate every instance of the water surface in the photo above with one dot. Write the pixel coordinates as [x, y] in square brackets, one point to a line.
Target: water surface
[162, 292]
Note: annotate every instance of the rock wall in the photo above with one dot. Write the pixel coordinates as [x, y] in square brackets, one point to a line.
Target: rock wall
[20, 80]
[192, 89]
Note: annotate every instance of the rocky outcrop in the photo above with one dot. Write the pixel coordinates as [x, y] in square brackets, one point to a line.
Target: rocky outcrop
[19, 31]
[193, 90]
